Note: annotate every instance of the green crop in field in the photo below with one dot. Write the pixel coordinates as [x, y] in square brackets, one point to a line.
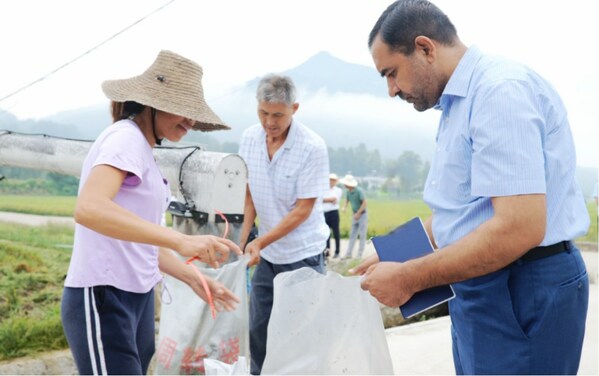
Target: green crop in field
[43, 205]
[33, 264]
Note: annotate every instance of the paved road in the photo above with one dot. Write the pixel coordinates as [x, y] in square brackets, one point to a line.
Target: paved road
[416, 349]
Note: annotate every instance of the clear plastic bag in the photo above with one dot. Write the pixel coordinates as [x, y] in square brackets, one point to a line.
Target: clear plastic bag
[188, 334]
[216, 367]
[324, 325]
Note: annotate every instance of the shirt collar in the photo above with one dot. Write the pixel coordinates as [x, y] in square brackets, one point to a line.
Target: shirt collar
[459, 81]
[289, 141]
[291, 136]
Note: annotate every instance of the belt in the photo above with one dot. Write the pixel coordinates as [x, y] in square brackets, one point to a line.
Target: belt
[546, 251]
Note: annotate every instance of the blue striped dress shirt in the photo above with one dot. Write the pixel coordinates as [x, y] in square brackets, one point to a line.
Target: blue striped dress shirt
[503, 131]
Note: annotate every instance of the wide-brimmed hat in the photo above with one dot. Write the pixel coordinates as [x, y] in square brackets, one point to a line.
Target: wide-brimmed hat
[171, 84]
[333, 176]
[349, 180]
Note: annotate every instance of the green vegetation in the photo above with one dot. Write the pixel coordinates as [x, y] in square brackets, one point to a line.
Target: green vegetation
[385, 215]
[43, 205]
[591, 236]
[34, 182]
[33, 264]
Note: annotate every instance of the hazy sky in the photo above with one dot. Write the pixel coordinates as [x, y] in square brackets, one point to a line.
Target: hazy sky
[238, 40]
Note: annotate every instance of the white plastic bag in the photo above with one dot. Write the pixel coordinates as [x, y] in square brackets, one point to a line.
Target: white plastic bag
[188, 334]
[324, 325]
[216, 367]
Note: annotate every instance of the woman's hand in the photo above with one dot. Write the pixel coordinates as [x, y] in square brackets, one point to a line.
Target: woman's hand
[222, 297]
[209, 249]
[171, 264]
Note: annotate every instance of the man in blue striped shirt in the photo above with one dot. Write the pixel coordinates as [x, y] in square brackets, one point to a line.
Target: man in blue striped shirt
[503, 195]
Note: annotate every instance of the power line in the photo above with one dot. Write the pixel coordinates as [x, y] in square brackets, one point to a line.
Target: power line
[85, 53]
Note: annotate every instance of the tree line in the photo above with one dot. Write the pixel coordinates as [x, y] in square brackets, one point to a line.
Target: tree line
[24, 181]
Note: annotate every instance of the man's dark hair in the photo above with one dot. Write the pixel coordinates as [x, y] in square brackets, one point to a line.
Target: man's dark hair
[404, 20]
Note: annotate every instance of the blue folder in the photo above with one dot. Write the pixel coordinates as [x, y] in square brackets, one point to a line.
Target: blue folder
[406, 242]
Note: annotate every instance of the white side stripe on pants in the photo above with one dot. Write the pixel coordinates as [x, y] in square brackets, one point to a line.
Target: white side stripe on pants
[99, 335]
[88, 327]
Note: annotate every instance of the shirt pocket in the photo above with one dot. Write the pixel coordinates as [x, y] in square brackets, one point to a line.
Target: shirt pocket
[286, 187]
[453, 174]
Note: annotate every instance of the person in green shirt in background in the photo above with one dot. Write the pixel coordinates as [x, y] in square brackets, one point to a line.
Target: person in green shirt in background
[359, 223]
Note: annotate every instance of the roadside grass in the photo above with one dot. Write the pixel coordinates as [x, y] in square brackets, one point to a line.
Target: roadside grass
[33, 264]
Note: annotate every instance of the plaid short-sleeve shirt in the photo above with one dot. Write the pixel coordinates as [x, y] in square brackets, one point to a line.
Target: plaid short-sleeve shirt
[298, 170]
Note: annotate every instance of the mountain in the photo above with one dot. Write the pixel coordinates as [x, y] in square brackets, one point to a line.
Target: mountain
[323, 71]
[345, 103]
[88, 121]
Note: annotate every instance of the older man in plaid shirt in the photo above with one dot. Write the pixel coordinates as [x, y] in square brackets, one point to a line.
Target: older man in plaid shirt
[288, 169]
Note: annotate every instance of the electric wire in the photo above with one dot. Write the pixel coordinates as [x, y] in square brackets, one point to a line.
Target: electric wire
[84, 54]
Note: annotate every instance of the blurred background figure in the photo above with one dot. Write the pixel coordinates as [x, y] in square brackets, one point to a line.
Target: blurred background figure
[359, 223]
[331, 201]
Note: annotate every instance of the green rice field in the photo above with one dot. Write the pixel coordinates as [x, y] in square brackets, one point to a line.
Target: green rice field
[383, 215]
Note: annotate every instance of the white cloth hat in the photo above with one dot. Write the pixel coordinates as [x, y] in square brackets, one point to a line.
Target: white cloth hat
[171, 84]
[333, 176]
[349, 181]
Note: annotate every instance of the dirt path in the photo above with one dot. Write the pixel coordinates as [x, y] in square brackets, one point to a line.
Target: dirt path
[35, 220]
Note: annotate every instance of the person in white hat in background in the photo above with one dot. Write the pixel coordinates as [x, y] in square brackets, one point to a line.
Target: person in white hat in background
[330, 205]
[120, 248]
[359, 224]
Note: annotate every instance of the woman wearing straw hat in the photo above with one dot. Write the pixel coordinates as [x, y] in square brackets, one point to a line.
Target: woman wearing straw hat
[120, 248]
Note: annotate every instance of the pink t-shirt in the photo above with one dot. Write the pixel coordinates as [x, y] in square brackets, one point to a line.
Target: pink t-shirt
[100, 260]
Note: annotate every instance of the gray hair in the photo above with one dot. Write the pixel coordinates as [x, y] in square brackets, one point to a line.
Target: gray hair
[274, 88]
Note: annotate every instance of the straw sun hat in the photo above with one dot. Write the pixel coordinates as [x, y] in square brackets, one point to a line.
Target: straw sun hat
[171, 84]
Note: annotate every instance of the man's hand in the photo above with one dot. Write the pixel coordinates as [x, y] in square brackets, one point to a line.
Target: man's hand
[364, 265]
[253, 249]
[388, 283]
[357, 215]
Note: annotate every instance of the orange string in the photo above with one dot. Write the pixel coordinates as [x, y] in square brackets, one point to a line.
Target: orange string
[205, 286]
[201, 276]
